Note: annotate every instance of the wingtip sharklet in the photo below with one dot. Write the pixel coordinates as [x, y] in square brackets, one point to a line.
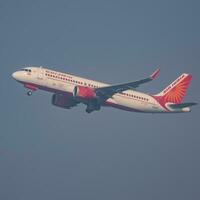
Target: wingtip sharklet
[155, 74]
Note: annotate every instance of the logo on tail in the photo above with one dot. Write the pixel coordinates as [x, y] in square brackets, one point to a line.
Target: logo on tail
[175, 92]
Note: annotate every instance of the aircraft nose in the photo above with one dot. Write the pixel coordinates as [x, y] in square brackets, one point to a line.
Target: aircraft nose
[15, 75]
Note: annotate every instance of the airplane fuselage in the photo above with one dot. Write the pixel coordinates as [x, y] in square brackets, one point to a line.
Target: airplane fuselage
[35, 78]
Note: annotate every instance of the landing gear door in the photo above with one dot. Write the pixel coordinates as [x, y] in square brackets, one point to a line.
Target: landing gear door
[41, 73]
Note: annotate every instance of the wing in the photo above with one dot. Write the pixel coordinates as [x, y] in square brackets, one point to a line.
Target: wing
[108, 91]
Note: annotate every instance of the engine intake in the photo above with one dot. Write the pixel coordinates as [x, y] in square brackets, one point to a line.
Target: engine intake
[63, 101]
[84, 92]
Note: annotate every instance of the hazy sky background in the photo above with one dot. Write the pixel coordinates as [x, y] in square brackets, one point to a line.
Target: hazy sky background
[51, 153]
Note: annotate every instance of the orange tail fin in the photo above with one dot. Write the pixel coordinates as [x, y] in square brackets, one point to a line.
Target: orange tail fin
[175, 92]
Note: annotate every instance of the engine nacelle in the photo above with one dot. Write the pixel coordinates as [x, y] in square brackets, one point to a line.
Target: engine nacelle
[63, 101]
[84, 92]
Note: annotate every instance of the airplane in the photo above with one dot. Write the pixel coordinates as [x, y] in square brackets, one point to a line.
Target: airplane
[69, 91]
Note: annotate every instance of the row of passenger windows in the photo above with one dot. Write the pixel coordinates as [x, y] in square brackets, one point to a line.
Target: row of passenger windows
[135, 96]
[91, 85]
[73, 81]
[61, 78]
[57, 74]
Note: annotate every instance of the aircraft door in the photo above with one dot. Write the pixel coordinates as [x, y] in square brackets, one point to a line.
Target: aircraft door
[41, 74]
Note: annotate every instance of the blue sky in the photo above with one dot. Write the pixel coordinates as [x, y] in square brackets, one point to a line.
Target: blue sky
[52, 153]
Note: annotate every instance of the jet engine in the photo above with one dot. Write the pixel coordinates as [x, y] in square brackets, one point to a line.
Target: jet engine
[63, 101]
[84, 93]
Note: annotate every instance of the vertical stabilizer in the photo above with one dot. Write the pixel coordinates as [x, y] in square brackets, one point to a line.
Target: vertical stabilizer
[175, 92]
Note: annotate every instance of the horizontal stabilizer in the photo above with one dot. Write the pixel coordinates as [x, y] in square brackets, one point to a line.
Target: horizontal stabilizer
[182, 105]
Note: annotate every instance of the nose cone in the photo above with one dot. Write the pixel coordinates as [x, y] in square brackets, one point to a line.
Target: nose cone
[15, 75]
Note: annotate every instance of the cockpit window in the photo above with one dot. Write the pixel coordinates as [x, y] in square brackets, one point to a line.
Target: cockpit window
[26, 70]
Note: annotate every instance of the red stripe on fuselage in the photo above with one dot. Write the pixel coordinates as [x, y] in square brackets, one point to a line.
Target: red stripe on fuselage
[30, 86]
[160, 102]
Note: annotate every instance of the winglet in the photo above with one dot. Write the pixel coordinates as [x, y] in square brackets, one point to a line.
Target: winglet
[155, 74]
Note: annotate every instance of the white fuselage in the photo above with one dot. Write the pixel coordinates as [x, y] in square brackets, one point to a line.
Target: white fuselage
[58, 82]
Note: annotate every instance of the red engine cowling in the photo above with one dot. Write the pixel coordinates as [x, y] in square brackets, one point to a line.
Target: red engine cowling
[63, 101]
[84, 92]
